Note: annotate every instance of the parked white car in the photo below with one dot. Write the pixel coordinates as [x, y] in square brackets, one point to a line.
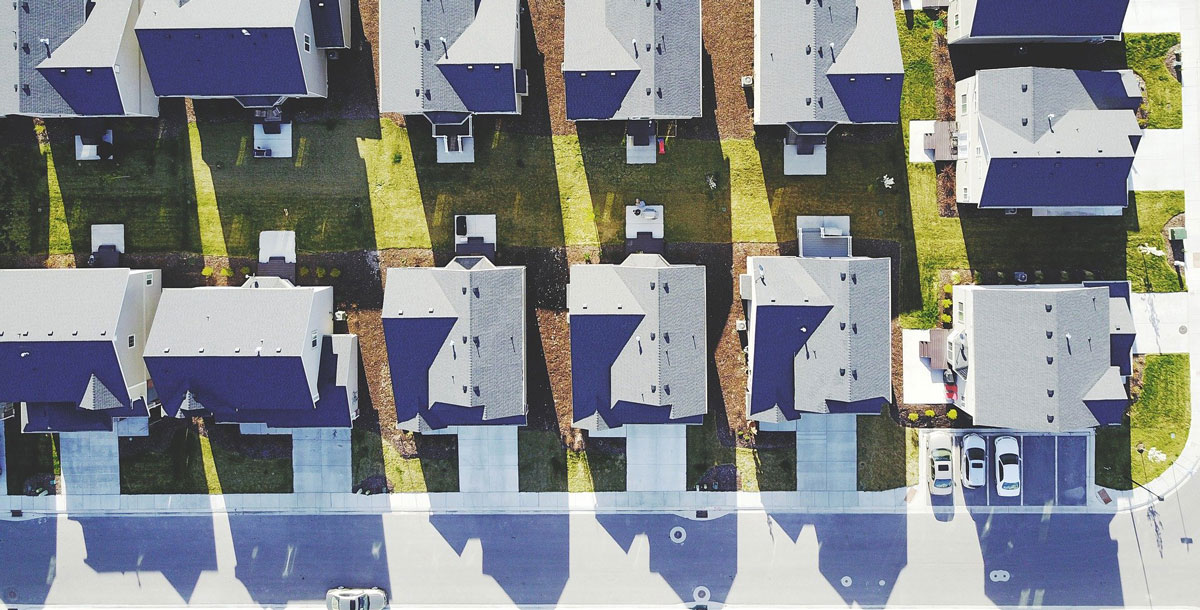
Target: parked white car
[941, 464]
[342, 598]
[1008, 467]
[974, 461]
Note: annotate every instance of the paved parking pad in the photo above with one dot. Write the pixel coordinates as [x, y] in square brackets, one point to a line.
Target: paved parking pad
[1054, 471]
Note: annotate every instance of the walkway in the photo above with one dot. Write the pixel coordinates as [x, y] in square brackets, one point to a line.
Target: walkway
[90, 463]
[1161, 320]
[321, 460]
[487, 458]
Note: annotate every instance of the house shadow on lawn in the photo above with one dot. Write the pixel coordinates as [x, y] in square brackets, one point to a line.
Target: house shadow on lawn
[147, 186]
[859, 157]
[321, 193]
[24, 219]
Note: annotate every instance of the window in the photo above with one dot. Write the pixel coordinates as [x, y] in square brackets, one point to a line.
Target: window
[960, 303]
[307, 44]
[314, 339]
[132, 341]
[955, 19]
[149, 279]
[964, 102]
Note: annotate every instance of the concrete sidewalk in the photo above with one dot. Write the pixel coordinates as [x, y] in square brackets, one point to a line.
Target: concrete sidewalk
[1158, 164]
[1161, 320]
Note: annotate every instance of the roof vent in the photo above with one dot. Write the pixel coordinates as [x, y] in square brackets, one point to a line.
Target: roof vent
[1050, 393]
[842, 372]
[841, 326]
[1049, 307]
[854, 328]
[1024, 122]
[843, 277]
[1049, 334]
[1024, 87]
[1049, 418]
[1049, 359]
[808, 50]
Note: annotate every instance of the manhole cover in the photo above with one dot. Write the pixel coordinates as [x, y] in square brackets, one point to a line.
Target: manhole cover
[998, 575]
[1183, 329]
[847, 581]
[678, 535]
[700, 594]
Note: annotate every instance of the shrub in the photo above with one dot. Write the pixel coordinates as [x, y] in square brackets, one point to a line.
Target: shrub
[397, 157]
[913, 416]
[320, 272]
[929, 413]
[1038, 276]
[1064, 276]
[304, 272]
[952, 414]
[206, 271]
[245, 270]
[946, 318]
[946, 303]
[227, 272]
[955, 277]
[1089, 276]
[587, 257]
[947, 289]
[335, 272]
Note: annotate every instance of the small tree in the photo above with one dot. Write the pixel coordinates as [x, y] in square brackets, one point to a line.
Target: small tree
[245, 270]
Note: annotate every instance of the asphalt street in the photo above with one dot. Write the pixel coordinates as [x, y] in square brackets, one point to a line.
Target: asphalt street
[950, 558]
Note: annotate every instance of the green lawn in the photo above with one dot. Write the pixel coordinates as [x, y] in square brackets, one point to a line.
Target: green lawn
[175, 464]
[1149, 273]
[1159, 419]
[372, 457]
[26, 455]
[767, 469]
[545, 465]
[887, 453]
[1145, 54]
[917, 98]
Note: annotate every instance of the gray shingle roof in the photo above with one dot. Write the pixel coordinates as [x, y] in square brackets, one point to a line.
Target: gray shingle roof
[797, 43]
[599, 36]
[410, 48]
[847, 356]
[1035, 353]
[668, 347]
[10, 63]
[1015, 105]
[73, 304]
[46, 19]
[488, 303]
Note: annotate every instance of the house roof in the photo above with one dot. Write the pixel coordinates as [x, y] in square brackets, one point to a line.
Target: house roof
[599, 40]
[1029, 18]
[836, 61]
[456, 343]
[426, 47]
[1038, 354]
[221, 48]
[327, 23]
[638, 343]
[820, 336]
[1062, 137]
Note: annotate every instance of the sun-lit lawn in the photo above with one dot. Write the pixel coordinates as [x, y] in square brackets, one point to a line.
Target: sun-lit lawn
[371, 457]
[1160, 419]
[1164, 94]
[189, 464]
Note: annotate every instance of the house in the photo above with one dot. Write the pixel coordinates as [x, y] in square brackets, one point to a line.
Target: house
[449, 61]
[71, 344]
[263, 355]
[1027, 21]
[456, 344]
[73, 58]
[1056, 141]
[1043, 358]
[819, 328]
[638, 344]
[633, 62]
[260, 53]
[819, 64]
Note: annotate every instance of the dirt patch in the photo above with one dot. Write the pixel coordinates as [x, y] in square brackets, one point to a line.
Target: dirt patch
[947, 198]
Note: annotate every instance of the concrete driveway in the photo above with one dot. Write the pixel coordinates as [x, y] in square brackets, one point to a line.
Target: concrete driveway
[1161, 322]
[487, 458]
[655, 457]
[321, 460]
[90, 463]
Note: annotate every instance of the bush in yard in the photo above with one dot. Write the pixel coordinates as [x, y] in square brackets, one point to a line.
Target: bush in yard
[320, 272]
[929, 413]
[946, 318]
[952, 414]
[947, 289]
[206, 272]
[954, 277]
[227, 272]
[335, 272]
[913, 417]
[397, 157]
[245, 270]
[1064, 276]
[946, 303]
[304, 272]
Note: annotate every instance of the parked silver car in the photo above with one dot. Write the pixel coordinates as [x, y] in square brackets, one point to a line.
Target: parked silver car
[974, 461]
[941, 464]
[1008, 467]
[342, 598]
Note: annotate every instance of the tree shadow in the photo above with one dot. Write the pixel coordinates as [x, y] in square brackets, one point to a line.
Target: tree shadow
[1034, 548]
[132, 544]
[285, 558]
[999, 245]
[694, 212]
[29, 579]
[527, 555]
[147, 186]
[321, 193]
[969, 58]
[859, 157]
[24, 221]
[860, 555]
[706, 557]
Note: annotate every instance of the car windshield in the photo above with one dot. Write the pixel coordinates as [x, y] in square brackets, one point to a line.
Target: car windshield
[942, 483]
[975, 454]
[1008, 459]
[1010, 485]
[941, 454]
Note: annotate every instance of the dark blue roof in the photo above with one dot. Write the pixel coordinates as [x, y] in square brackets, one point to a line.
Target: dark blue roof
[223, 62]
[67, 417]
[327, 23]
[1107, 90]
[248, 389]
[598, 95]
[1116, 288]
[1107, 412]
[483, 88]
[777, 340]
[58, 371]
[1056, 181]
[869, 98]
[412, 346]
[596, 341]
[89, 92]
[1036, 17]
